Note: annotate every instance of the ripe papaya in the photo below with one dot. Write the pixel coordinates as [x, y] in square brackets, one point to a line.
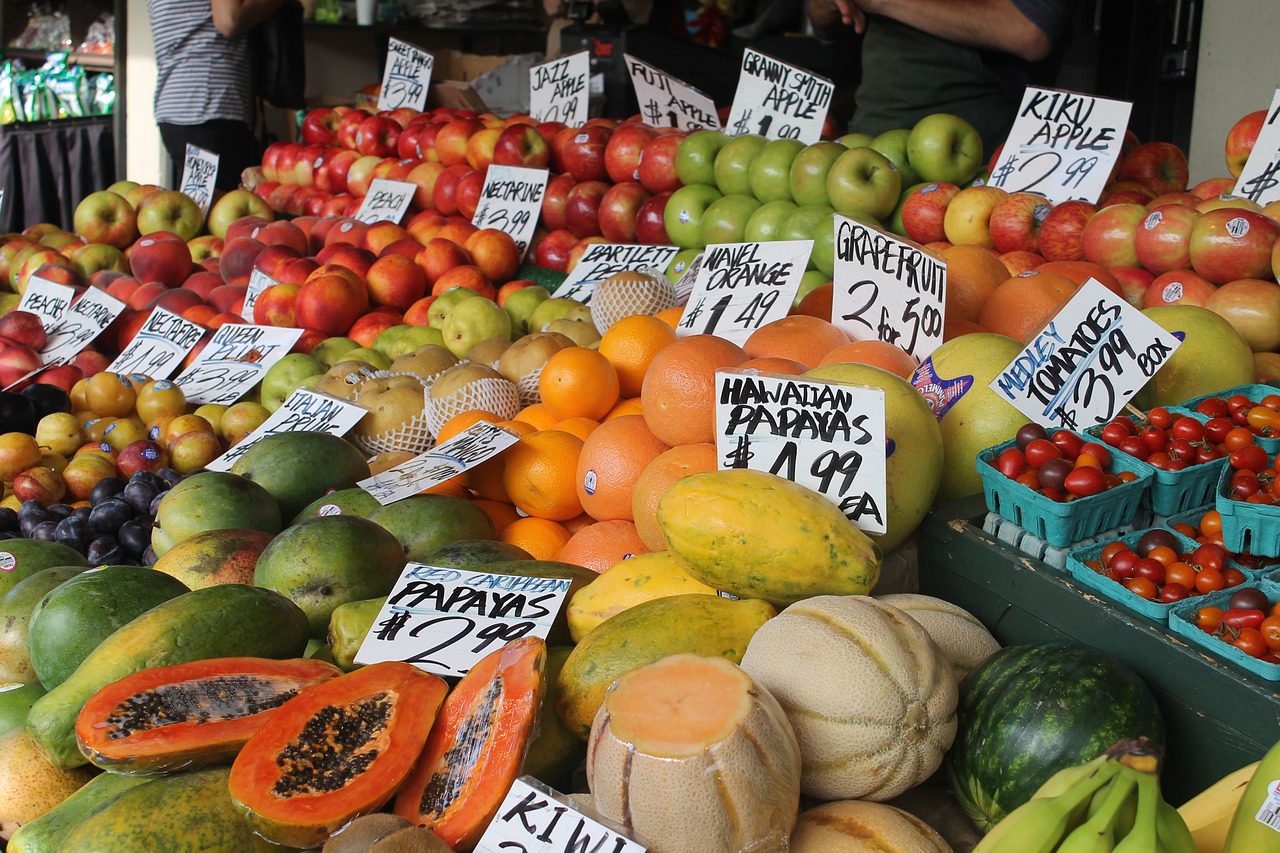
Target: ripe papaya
[48, 833]
[637, 579]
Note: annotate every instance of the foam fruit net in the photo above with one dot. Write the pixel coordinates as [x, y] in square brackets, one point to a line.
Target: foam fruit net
[624, 294]
[492, 395]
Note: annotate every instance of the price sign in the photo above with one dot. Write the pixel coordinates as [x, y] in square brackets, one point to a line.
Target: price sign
[406, 77]
[1259, 181]
[233, 361]
[601, 260]
[558, 89]
[1087, 362]
[306, 410]
[687, 276]
[511, 201]
[778, 100]
[668, 102]
[258, 282]
[83, 321]
[535, 819]
[826, 436]
[1062, 145]
[386, 201]
[464, 451]
[47, 300]
[742, 286]
[887, 289]
[445, 620]
[159, 346]
[199, 176]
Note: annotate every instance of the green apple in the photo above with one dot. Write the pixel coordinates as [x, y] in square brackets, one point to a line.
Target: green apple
[439, 310]
[472, 321]
[733, 163]
[680, 264]
[823, 256]
[696, 156]
[414, 338]
[373, 358]
[809, 282]
[725, 219]
[557, 308]
[520, 305]
[683, 214]
[805, 221]
[893, 144]
[285, 375]
[855, 140]
[946, 148]
[387, 339]
[770, 172]
[863, 181]
[330, 351]
[763, 224]
[809, 172]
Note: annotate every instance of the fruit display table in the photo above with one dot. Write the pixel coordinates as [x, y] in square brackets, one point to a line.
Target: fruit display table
[1218, 717]
[46, 167]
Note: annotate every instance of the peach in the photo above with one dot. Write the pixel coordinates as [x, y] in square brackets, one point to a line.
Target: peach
[283, 232]
[357, 260]
[417, 313]
[329, 303]
[275, 256]
[296, 271]
[236, 262]
[365, 330]
[379, 235]
[440, 255]
[396, 281]
[468, 276]
[275, 306]
[495, 253]
[201, 283]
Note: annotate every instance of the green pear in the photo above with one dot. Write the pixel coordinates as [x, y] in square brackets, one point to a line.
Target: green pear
[582, 333]
[414, 337]
[378, 360]
[557, 308]
[285, 375]
[388, 338]
[520, 306]
[472, 321]
[444, 303]
[330, 351]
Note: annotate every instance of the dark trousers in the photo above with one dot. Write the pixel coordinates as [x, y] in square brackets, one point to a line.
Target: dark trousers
[233, 141]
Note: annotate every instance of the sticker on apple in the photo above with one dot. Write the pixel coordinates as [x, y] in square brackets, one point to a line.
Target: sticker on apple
[258, 282]
[199, 177]
[666, 101]
[742, 286]
[386, 201]
[511, 201]
[558, 90]
[1087, 362]
[406, 77]
[887, 289]
[601, 260]
[443, 462]
[825, 435]
[159, 346]
[1259, 179]
[46, 299]
[1063, 145]
[233, 361]
[778, 100]
[535, 819]
[87, 318]
[305, 410]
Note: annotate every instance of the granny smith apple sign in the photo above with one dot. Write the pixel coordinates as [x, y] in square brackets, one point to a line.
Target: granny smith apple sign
[778, 101]
[742, 286]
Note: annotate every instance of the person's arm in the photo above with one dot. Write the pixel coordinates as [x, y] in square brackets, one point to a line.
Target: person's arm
[830, 18]
[235, 17]
[995, 24]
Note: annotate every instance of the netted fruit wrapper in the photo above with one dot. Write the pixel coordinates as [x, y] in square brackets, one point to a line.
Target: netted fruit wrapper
[492, 395]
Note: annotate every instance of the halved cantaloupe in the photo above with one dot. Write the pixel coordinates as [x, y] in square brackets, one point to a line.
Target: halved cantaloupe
[854, 826]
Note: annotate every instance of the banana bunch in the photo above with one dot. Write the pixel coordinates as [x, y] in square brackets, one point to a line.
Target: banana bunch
[1113, 803]
[1208, 814]
[1255, 827]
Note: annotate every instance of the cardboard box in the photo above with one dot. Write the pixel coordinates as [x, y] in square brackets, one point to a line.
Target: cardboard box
[481, 83]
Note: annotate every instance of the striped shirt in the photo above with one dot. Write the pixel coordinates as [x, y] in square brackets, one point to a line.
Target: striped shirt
[200, 74]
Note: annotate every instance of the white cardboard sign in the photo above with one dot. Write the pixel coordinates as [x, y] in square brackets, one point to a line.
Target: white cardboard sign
[200, 176]
[668, 102]
[601, 260]
[235, 360]
[159, 346]
[778, 100]
[511, 201]
[558, 90]
[1062, 145]
[305, 410]
[258, 282]
[47, 300]
[887, 289]
[1259, 181]
[386, 201]
[87, 317]
[826, 436]
[464, 451]
[535, 819]
[742, 286]
[446, 620]
[1087, 362]
[406, 76]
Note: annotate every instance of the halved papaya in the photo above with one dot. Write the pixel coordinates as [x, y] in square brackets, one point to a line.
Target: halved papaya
[190, 714]
[334, 752]
[477, 746]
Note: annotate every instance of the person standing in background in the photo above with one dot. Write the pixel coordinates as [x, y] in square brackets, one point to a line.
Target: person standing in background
[205, 80]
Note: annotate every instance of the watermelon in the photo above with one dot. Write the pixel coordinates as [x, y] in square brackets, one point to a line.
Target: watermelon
[1031, 710]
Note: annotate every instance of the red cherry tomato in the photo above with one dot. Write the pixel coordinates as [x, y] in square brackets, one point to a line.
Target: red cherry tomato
[1187, 427]
[1209, 619]
[1238, 619]
[1011, 463]
[1217, 428]
[1116, 431]
[1251, 642]
[1040, 451]
[1173, 592]
[1134, 446]
[1068, 442]
[1155, 438]
[1251, 457]
[1151, 569]
[1141, 587]
[1160, 417]
[1085, 481]
[1099, 451]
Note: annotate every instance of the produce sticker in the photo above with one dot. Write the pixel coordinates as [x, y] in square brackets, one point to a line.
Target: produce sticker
[666, 101]
[778, 101]
[87, 317]
[446, 620]
[406, 77]
[258, 282]
[1259, 181]
[234, 360]
[535, 819]
[46, 299]
[386, 201]
[443, 462]
[601, 260]
[305, 410]
[742, 286]
[827, 436]
[887, 289]
[159, 346]
[1062, 145]
[558, 89]
[1087, 362]
[199, 176]
[511, 201]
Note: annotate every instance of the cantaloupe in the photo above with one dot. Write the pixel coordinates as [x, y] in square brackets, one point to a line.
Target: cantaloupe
[854, 826]
[869, 694]
[692, 756]
[965, 642]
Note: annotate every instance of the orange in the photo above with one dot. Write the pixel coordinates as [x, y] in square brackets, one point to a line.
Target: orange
[454, 487]
[657, 477]
[630, 344]
[517, 427]
[541, 537]
[578, 382]
[816, 303]
[1082, 271]
[601, 545]
[798, 337]
[952, 329]
[628, 406]
[612, 459]
[1019, 306]
[671, 316]
[774, 364]
[462, 421]
[578, 522]
[679, 393]
[581, 427]
[539, 474]
[500, 513]
[877, 354]
[973, 274]
[537, 416]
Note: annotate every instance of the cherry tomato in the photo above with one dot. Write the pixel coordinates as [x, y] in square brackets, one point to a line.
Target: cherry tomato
[1028, 433]
[1173, 592]
[1271, 401]
[1030, 479]
[1216, 429]
[1160, 417]
[1214, 407]
[1141, 587]
[1134, 446]
[1232, 577]
[1152, 570]
[1207, 453]
[1054, 473]
[1040, 451]
[1164, 555]
[1186, 530]
[1099, 451]
[1117, 430]
[1053, 494]
[1110, 550]
[1251, 457]
[1180, 573]
[1211, 523]
[1159, 459]
[1187, 427]
[1239, 402]
[1182, 450]
[1208, 580]
[1085, 481]
[1209, 619]
[1270, 630]
[1209, 557]
[1155, 438]
[1123, 564]
[1250, 598]
[1238, 620]
[1011, 463]
[1238, 437]
[1088, 460]
[1250, 642]
[1067, 442]
[1264, 421]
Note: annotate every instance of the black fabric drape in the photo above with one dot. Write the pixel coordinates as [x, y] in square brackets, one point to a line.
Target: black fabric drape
[47, 167]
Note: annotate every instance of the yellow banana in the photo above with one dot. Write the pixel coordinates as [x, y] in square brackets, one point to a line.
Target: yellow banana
[1208, 814]
[1172, 831]
[1143, 837]
[1098, 833]
[1067, 778]
[1038, 825]
[1255, 827]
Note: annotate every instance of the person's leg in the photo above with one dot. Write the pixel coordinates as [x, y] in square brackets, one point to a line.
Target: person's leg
[233, 142]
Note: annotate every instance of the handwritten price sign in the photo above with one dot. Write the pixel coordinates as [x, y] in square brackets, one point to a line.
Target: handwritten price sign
[778, 100]
[558, 89]
[887, 289]
[406, 77]
[47, 300]
[305, 410]
[511, 201]
[1259, 181]
[258, 282]
[233, 361]
[1062, 145]
[199, 177]
[87, 317]
[666, 101]
[534, 819]
[464, 451]
[159, 346]
[742, 286]
[445, 620]
[386, 201]
[602, 260]
[1092, 357]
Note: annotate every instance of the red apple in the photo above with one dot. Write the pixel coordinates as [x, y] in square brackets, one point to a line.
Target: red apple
[553, 201]
[1213, 187]
[657, 167]
[1015, 222]
[521, 145]
[582, 207]
[445, 192]
[583, 153]
[468, 194]
[1178, 287]
[1228, 244]
[619, 210]
[1159, 166]
[320, 126]
[1240, 140]
[924, 211]
[622, 153]
[1163, 240]
[348, 126]
[1061, 232]
[1108, 238]
[651, 227]
[451, 140]
[1134, 282]
[553, 252]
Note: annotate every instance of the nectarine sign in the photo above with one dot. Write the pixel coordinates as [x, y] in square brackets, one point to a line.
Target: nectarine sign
[159, 346]
[87, 317]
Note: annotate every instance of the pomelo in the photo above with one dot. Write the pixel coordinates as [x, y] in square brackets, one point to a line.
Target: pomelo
[1213, 357]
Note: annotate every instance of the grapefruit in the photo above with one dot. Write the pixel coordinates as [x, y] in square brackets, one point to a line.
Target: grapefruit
[1213, 357]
